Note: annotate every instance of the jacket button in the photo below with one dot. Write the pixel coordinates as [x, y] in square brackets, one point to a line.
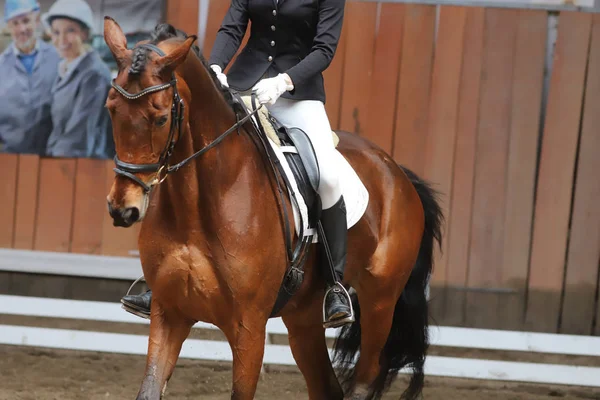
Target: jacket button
[274, 12]
[272, 43]
[270, 58]
[273, 28]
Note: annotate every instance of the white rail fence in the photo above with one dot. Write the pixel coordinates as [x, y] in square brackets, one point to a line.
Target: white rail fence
[215, 350]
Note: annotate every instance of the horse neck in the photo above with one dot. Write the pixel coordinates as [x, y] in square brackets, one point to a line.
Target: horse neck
[205, 182]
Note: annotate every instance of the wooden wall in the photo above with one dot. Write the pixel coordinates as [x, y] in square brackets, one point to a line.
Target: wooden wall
[60, 205]
[460, 102]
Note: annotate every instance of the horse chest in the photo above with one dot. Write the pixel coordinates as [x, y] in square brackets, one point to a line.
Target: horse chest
[183, 278]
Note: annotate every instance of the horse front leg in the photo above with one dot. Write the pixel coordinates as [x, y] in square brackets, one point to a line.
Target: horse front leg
[247, 340]
[168, 331]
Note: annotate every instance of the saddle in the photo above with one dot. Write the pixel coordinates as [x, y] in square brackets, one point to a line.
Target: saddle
[302, 161]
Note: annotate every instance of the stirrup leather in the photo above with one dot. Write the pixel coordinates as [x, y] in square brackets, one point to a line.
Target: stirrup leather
[342, 321]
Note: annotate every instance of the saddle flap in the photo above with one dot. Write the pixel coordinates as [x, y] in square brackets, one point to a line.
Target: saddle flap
[307, 155]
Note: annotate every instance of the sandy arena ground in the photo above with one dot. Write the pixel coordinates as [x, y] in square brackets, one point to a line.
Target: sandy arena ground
[41, 374]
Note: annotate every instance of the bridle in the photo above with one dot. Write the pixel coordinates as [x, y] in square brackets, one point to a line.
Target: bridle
[161, 168]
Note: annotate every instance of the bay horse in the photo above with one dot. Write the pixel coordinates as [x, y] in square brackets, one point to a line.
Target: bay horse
[211, 240]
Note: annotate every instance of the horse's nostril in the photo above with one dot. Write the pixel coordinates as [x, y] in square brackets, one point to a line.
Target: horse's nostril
[131, 214]
[124, 217]
[127, 214]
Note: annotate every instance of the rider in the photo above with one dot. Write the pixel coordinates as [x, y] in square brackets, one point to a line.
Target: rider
[290, 45]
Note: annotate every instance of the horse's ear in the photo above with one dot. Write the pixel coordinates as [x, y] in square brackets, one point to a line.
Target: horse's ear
[177, 55]
[116, 41]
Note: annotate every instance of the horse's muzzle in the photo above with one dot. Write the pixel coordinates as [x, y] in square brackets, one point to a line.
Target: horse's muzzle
[124, 217]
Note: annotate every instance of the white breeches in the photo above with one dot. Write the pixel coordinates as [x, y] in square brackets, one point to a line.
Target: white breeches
[310, 116]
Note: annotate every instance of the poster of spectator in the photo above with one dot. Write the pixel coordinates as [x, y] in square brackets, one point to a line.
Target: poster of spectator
[56, 71]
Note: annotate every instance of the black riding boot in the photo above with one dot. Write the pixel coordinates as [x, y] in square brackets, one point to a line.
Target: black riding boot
[138, 304]
[337, 306]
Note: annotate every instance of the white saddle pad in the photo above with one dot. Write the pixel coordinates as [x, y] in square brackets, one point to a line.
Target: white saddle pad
[354, 191]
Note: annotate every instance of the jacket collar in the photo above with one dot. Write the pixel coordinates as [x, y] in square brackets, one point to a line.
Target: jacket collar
[11, 53]
[82, 64]
[65, 68]
[17, 52]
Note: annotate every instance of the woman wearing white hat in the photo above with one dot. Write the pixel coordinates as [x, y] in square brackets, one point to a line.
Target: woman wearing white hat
[81, 125]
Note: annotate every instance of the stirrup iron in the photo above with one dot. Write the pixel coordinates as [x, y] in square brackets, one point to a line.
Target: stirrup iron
[132, 310]
[342, 321]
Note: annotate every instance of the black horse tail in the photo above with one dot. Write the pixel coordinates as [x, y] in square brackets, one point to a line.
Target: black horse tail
[408, 340]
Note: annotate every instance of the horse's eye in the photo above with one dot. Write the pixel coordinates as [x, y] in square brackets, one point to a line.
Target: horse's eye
[162, 121]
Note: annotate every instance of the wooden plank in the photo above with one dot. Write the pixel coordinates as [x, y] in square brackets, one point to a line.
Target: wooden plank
[217, 10]
[361, 19]
[183, 14]
[487, 229]
[333, 77]
[35, 262]
[443, 116]
[441, 336]
[557, 164]
[27, 201]
[90, 206]
[459, 230]
[116, 241]
[278, 354]
[528, 77]
[8, 191]
[274, 354]
[55, 209]
[379, 126]
[579, 302]
[413, 86]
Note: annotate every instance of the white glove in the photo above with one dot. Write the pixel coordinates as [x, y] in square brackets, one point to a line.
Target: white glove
[220, 75]
[268, 90]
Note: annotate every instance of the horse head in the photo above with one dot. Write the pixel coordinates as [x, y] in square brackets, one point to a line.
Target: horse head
[147, 105]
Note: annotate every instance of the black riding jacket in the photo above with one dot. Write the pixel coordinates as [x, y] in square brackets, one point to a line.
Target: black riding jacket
[298, 37]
